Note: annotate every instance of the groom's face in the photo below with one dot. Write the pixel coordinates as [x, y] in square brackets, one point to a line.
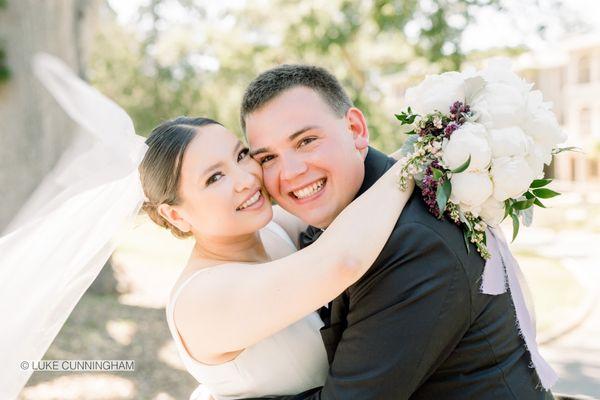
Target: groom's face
[312, 159]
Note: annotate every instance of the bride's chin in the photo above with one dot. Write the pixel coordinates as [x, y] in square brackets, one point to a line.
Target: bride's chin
[261, 220]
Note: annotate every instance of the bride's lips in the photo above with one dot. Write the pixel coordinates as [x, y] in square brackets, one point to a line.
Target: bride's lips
[258, 203]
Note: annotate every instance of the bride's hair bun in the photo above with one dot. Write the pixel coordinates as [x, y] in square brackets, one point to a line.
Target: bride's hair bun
[160, 170]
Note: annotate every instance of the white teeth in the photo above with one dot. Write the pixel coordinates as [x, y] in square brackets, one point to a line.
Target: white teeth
[252, 200]
[309, 190]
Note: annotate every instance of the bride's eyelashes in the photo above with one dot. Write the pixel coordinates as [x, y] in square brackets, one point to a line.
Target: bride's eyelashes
[218, 175]
[214, 178]
[243, 154]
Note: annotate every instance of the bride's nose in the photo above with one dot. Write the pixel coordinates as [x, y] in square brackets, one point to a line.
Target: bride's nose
[244, 180]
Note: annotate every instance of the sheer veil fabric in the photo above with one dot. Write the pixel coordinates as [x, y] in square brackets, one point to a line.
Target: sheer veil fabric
[58, 243]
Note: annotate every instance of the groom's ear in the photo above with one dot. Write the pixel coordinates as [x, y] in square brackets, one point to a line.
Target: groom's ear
[357, 125]
[174, 217]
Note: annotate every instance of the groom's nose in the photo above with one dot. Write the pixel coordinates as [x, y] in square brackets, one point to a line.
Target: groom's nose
[292, 166]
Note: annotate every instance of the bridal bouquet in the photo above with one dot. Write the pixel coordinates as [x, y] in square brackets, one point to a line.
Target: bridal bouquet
[478, 144]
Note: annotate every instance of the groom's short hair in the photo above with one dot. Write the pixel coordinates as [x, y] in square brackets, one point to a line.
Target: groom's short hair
[275, 81]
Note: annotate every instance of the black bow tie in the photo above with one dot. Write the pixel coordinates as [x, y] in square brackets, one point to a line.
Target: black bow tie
[308, 236]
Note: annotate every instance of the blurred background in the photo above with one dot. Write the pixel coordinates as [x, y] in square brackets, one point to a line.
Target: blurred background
[163, 58]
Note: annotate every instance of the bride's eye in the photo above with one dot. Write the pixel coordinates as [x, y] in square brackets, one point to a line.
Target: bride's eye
[214, 178]
[243, 154]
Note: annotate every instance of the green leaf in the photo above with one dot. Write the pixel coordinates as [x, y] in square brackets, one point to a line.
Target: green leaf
[545, 193]
[538, 203]
[463, 167]
[523, 204]
[406, 117]
[411, 133]
[515, 219]
[466, 237]
[437, 174]
[443, 194]
[563, 149]
[538, 183]
[529, 195]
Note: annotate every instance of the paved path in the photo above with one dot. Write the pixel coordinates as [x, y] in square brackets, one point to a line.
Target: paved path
[575, 355]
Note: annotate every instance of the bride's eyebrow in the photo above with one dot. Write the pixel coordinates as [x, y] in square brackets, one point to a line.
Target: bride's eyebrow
[220, 163]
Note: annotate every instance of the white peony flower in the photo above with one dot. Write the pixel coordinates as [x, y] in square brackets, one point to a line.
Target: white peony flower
[470, 188]
[542, 126]
[512, 177]
[436, 92]
[492, 211]
[498, 70]
[468, 140]
[499, 105]
[510, 141]
[536, 158]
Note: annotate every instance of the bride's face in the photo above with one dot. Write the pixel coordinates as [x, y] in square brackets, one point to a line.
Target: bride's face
[221, 186]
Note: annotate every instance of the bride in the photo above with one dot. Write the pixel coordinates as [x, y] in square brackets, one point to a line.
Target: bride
[242, 313]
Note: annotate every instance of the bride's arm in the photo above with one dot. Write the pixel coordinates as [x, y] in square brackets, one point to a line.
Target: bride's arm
[233, 306]
[396, 154]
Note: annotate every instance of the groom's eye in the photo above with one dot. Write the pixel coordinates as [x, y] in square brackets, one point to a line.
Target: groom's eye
[306, 141]
[265, 159]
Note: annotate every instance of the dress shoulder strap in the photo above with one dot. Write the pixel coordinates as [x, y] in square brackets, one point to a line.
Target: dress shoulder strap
[279, 231]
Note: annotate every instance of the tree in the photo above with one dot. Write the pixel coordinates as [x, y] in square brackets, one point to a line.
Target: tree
[34, 130]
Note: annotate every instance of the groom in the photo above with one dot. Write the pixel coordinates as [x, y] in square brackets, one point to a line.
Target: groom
[416, 325]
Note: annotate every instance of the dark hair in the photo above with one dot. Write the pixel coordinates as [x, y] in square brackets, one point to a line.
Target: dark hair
[160, 169]
[273, 82]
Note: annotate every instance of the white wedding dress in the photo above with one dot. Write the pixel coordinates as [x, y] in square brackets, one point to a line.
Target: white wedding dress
[289, 362]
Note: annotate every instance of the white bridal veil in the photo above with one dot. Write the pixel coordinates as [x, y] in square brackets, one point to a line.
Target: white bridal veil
[54, 249]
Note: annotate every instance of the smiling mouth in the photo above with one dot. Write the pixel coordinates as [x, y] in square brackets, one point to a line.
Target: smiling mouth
[251, 201]
[309, 190]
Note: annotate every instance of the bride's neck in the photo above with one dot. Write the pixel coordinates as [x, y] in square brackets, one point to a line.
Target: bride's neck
[243, 248]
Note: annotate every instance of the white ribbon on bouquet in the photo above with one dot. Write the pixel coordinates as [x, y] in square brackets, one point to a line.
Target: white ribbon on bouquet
[502, 273]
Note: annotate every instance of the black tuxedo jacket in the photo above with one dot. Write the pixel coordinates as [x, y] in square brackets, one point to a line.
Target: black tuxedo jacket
[416, 324]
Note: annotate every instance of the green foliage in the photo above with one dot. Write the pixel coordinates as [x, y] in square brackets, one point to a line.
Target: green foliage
[168, 70]
[4, 71]
[442, 195]
[463, 167]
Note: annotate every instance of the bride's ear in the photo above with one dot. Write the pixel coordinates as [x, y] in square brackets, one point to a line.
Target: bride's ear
[174, 217]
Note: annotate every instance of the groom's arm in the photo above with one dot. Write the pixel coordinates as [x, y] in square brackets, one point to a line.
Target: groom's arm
[406, 315]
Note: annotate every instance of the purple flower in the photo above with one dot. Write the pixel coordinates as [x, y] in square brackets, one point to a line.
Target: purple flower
[429, 189]
[456, 107]
[450, 128]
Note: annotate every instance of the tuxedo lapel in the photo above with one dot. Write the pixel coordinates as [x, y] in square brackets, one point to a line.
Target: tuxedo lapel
[335, 323]
[334, 316]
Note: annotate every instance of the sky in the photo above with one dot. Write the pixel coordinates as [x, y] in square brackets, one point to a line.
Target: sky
[517, 26]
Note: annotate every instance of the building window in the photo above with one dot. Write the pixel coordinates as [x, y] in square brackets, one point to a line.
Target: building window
[583, 70]
[585, 122]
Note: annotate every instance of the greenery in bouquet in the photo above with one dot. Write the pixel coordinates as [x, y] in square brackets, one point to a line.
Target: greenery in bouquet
[478, 143]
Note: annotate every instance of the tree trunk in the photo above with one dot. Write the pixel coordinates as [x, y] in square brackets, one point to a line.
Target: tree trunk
[34, 130]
